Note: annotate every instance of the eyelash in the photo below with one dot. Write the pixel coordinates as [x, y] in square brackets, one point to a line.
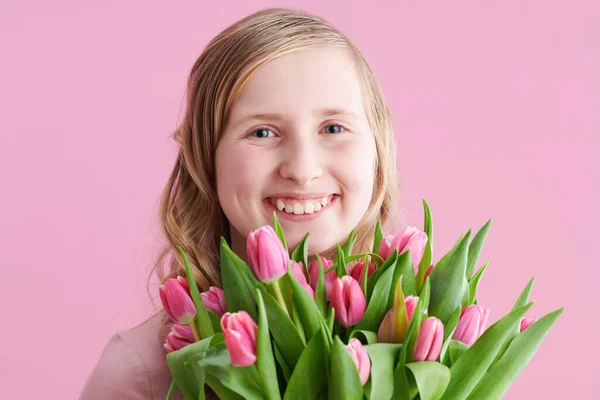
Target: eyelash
[267, 128]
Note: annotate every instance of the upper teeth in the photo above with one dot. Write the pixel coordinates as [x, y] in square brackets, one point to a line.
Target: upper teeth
[301, 206]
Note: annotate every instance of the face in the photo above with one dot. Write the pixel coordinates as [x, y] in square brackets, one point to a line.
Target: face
[297, 142]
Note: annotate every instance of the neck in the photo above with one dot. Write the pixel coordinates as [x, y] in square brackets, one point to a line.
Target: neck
[238, 244]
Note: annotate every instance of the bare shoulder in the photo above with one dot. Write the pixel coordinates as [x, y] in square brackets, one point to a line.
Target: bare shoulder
[132, 365]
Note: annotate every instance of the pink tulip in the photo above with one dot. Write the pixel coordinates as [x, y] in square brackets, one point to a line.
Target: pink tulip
[429, 340]
[298, 274]
[313, 272]
[267, 257]
[428, 271]
[387, 332]
[177, 302]
[471, 324]
[527, 322]
[184, 284]
[179, 337]
[348, 300]
[409, 238]
[361, 359]
[358, 270]
[240, 331]
[214, 300]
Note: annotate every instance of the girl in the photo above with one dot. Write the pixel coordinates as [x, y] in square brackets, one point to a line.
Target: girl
[283, 114]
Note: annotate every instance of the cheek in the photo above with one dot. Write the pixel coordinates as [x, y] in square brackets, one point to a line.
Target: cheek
[357, 172]
[239, 175]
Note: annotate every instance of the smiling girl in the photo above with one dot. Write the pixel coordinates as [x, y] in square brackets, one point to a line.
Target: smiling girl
[284, 115]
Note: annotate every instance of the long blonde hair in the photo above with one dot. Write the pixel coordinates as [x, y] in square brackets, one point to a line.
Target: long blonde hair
[190, 213]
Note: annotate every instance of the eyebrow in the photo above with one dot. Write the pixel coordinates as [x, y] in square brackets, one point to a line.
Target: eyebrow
[325, 112]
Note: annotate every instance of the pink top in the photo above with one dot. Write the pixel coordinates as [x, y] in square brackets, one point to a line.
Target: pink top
[133, 366]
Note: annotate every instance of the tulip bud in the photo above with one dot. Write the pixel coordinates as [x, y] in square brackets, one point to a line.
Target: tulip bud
[177, 302]
[179, 337]
[298, 274]
[313, 272]
[527, 322]
[239, 331]
[471, 324]
[409, 238]
[267, 257]
[183, 331]
[388, 330]
[214, 300]
[358, 270]
[428, 271]
[429, 340]
[184, 283]
[348, 300]
[361, 359]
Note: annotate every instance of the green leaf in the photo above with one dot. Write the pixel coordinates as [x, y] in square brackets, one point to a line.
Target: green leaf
[345, 381]
[431, 378]
[239, 282]
[474, 282]
[307, 309]
[215, 320]
[321, 289]
[171, 390]
[428, 253]
[309, 378]
[412, 333]
[402, 389]
[188, 380]
[502, 373]
[378, 301]
[340, 262]
[365, 278]
[425, 294]
[456, 349]
[405, 269]
[367, 336]
[284, 331]
[449, 286]
[389, 263]
[524, 297]
[202, 318]
[265, 364]
[221, 390]
[449, 331]
[377, 260]
[378, 237]
[241, 380]
[279, 231]
[349, 243]
[300, 253]
[380, 385]
[475, 248]
[471, 366]
[330, 320]
[286, 370]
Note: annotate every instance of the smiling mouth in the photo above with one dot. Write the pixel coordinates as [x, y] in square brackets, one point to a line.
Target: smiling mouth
[301, 206]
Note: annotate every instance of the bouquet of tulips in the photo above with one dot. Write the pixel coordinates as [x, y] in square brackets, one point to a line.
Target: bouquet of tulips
[381, 325]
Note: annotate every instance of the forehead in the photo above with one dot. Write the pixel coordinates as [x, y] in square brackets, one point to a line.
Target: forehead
[298, 83]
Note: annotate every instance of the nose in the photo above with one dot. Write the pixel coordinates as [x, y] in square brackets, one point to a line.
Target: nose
[301, 161]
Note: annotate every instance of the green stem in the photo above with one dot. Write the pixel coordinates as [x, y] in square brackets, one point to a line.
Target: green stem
[195, 331]
[279, 295]
[171, 390]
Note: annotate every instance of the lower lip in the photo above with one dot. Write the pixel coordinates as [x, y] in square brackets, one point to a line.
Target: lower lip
[301, 217]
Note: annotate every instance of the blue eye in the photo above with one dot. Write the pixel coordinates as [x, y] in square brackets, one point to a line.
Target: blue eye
[335, 130]
[262, 133]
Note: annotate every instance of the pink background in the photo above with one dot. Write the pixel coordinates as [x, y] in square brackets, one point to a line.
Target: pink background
[497, 112]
